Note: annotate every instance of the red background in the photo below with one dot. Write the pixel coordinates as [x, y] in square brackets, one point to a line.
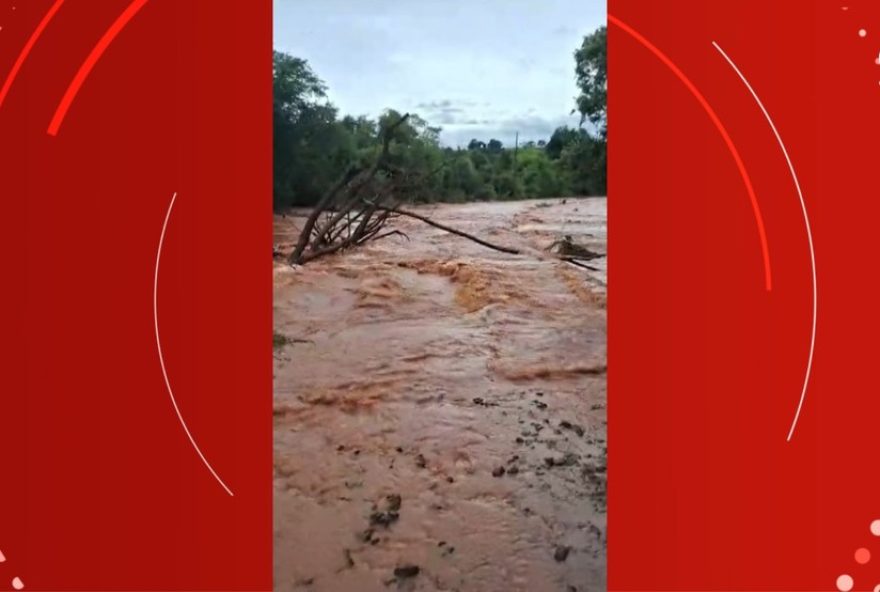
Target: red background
[706, 366]
[101, 489]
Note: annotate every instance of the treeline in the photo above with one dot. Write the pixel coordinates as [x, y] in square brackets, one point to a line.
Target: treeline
[314, 145]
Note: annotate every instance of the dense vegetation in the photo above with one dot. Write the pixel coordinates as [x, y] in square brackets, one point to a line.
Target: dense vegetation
[314, 145]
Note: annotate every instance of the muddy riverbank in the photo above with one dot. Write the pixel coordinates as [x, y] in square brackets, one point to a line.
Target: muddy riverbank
[439, 407]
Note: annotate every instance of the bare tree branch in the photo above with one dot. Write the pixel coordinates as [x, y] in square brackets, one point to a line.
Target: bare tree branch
[430, 222]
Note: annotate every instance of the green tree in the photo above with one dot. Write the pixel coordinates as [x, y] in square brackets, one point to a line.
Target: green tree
[295, 87]
[591, 70]
[562, 137]
[539, 175]
[582, 156]
[509, 186]
[584, 163]
[310, 146]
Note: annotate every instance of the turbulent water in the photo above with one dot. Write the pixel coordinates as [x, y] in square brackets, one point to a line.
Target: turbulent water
[439, 407]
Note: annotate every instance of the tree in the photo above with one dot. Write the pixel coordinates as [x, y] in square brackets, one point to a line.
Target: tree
[295, 87]
[586, 157]
[465, 176]
[562, 137]
[508, 186]
[311, 148]
[540, 177]
[591, 70]
[362, 129]
[585, 163]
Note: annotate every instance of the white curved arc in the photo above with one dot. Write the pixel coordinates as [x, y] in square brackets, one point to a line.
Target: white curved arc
[797, 185]
[162, 358]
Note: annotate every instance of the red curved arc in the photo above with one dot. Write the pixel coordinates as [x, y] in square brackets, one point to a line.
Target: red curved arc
[26, 50]
[90, 62]
[759, 220]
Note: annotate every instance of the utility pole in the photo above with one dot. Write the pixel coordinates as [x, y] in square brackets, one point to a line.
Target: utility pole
[515, 150]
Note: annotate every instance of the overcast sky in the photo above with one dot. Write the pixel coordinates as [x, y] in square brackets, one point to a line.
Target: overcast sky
[477, 68]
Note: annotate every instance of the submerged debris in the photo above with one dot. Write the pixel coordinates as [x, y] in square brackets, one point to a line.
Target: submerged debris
[387, 516]
[406, 571]
[385, 519]
[394, 502]
[565, 425]
[483, 403]
[566, 247]
[561, 553]
[566, 461]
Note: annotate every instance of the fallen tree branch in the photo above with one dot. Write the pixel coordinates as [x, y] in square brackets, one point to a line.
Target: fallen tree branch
[430, 222]
[306, 232]
[389, 233]
[348, 219]
[574, 261]
[317, 239]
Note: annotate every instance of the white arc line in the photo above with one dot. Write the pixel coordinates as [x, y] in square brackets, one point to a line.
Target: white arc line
[162, 358]
[797, 185]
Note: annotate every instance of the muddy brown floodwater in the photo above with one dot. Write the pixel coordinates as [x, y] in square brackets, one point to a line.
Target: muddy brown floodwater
[439, 407]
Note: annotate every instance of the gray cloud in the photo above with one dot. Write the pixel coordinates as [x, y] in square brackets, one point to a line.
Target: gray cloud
[435, 105]
[450, 112]
[530, 128]
[444, 118]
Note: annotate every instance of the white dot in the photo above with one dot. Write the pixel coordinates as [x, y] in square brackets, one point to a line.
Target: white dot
[2, 557]
[845, 583]
[17, 584]
[875, 528]
[863, 33]
[877, 588]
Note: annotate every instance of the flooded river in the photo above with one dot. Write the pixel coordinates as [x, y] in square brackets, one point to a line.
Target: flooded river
[439, 414]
